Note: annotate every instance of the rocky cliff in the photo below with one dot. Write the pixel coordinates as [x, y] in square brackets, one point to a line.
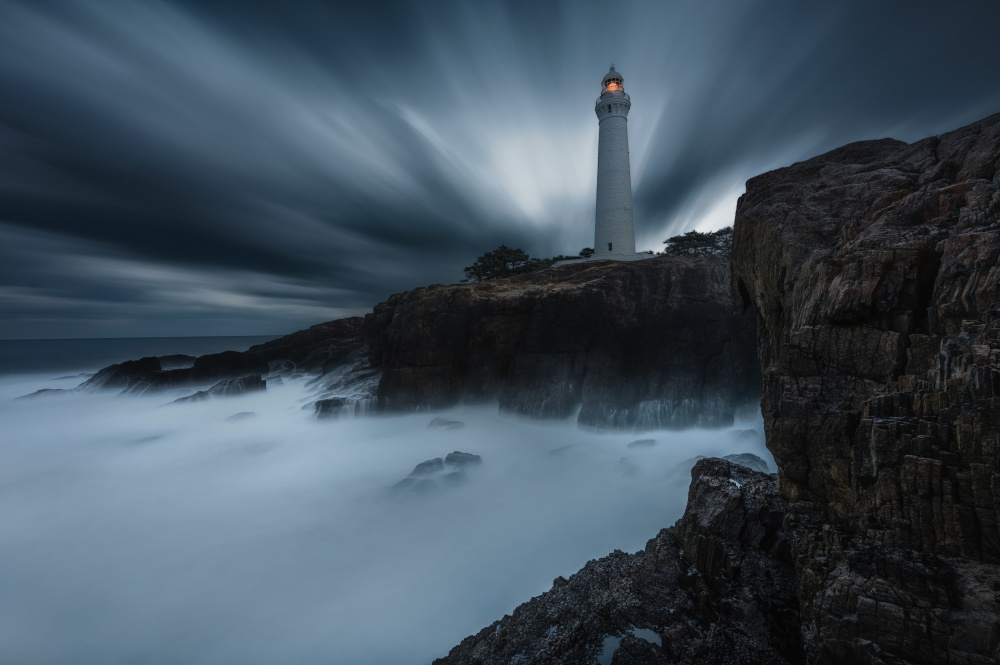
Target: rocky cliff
[719, 586]
[874, 271]
[639, 345]
[645, 344]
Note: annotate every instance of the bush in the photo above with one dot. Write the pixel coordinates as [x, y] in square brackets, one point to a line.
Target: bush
[695, 243]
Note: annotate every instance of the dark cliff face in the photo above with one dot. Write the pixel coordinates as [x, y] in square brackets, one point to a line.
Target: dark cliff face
[642, 345]
[874, 270]
[717, 587]
[645, 344]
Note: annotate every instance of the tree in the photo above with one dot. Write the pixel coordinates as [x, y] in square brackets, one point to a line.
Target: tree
[695, 243]
[587, 252]
[501, 262]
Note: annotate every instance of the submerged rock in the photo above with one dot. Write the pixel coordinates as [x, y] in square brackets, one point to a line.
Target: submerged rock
[461, 459]
[242, 415]
[450, 472]
[428, 467]
[45, 392]
[416, 486]
[444, 423]
[642, 443]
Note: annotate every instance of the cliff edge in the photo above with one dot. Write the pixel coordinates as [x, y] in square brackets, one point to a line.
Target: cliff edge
[641, 345]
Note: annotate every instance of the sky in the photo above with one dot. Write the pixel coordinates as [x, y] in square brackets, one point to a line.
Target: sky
[232, 168]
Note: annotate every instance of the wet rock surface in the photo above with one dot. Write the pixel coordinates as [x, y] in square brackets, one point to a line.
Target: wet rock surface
[718, 586]
[874, 270]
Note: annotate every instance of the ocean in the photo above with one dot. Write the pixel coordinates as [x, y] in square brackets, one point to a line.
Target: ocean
[29, 356]
[244, 530]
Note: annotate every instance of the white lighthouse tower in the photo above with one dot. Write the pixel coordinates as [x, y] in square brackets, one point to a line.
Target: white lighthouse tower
[614, 234]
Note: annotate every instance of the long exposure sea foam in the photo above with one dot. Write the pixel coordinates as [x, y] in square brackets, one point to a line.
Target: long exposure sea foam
[136, 530]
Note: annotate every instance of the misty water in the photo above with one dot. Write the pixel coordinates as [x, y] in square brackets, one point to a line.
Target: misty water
[135, 530]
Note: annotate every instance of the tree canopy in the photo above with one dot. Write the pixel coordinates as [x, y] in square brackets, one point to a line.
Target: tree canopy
[507, 262]
[695, 243]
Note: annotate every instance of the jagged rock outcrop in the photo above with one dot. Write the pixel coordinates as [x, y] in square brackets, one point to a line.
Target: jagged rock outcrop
[717, 587]
[334, 347]
[874, 270]
[646, 344]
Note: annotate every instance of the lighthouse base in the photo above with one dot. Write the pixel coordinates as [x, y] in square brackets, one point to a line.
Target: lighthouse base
[611, 257]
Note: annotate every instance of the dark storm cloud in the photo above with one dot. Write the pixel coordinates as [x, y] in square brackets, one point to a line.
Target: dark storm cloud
[229, 167]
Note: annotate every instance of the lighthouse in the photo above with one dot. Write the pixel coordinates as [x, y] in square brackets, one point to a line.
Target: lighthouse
[614, 234]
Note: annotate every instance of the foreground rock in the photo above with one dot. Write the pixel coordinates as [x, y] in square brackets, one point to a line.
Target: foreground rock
[874, 270]
[719, 586]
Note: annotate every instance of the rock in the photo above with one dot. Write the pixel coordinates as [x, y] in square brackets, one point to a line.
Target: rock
[636, 345]
[745, 435]
[719, 587]
[642, 443]
[749, 460]
[227, 388]
[454, 478]
[444, 423]
[176, 361]
[429, 467]
[122, 375]
[242, 415]
[45, 392]
[873, 270]
[319, 349]
[461, 459]
[333, 407]
[415, 486]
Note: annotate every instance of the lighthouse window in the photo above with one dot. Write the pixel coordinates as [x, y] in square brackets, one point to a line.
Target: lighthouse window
[609, 108]
[609, 246]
